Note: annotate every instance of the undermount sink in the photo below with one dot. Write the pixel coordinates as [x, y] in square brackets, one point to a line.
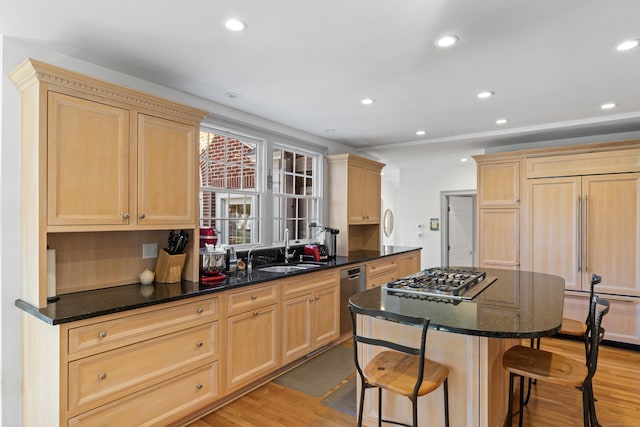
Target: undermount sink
[287, 268]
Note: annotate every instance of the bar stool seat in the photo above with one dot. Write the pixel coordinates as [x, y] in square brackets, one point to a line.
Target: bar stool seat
[545, 365]
[397, 372]
[573, 327]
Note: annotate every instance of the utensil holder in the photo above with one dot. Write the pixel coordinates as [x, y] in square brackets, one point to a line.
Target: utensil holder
[169, 267]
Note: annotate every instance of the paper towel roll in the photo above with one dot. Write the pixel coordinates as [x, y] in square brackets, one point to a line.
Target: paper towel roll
[51, 273]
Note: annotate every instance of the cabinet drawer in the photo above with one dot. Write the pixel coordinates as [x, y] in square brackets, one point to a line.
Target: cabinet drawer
[381, 279]
[256, 296]
[164, 403]
[310, 281]
[108, 335]
[382, 266]
[106, 376]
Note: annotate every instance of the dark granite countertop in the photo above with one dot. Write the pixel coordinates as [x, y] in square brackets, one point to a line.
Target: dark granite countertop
[99, 302]
[519, 304]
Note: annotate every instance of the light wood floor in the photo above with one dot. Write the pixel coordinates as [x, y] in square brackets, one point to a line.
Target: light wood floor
[616, 386]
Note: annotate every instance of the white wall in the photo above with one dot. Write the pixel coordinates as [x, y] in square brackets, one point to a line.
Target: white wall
[423, 172]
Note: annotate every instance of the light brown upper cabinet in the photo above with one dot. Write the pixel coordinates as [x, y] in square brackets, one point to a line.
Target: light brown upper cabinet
[499, 183]
[166, 172]
[364, 194]
[98, 175]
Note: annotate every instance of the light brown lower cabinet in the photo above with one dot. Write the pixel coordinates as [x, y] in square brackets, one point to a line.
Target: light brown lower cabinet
[311, 316]
[158, 405]
[381, 271]
[252, 330]
[158, 365]
[150, 366]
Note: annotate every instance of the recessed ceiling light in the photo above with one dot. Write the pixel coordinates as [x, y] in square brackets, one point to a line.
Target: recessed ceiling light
[421, 132]
[329, 130]
[608, 105]
[464, 159]
[627, 44]
[234, 24]
[501, 121]
[485, 94]
[447, 41]
[367, 101]
[232, 95]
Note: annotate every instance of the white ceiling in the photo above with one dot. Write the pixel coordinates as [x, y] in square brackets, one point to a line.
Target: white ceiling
[307, 63]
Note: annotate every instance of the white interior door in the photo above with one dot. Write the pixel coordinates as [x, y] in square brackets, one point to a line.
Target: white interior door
[460, 220]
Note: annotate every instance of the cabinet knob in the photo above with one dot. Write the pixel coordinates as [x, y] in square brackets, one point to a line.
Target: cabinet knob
[317, 298]
[126, 215]
[102, 334]
[142, 216]
[310, 299]
[255, 313]
[102, 376]
[200, 344]
[254, 296]
[199, 386]
[200, 310]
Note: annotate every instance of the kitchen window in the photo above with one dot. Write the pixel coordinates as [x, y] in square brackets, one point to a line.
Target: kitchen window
[247, 183]
[295, 192]
[229, 187]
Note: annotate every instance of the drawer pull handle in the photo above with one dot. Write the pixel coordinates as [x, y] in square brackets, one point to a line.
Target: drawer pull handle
[254, 296]
[255, 313]
[102, 376]
[200, 310]
[199, 386]
[200, 344]
[142, 216]
[125, 216]
[102, 334]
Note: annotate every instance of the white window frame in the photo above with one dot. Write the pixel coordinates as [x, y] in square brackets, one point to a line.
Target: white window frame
[265, 144]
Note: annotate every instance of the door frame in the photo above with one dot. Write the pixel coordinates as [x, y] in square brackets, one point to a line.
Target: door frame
[444, 221]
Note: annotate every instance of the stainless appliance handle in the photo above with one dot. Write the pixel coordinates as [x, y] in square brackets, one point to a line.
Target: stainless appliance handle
[578, 228]
[585, 242]
[354, 277]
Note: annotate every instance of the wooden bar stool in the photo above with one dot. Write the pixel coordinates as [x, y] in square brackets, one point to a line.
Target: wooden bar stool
[547, 366]
[571, 327]
[402, 369]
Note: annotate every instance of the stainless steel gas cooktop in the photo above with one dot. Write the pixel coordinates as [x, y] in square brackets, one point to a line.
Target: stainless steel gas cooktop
[442, 282]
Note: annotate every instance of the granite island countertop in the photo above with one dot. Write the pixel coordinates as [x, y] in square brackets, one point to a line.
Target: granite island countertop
[83, 305]
[518, 304]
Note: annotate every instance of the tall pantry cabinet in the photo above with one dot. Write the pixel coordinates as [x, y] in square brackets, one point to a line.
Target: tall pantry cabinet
[355, 202]
[581, 215]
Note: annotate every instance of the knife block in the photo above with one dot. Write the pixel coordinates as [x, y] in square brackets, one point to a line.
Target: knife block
[169, 267]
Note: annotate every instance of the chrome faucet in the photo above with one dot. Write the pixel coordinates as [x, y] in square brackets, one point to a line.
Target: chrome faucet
[249, 266]
[287, 256]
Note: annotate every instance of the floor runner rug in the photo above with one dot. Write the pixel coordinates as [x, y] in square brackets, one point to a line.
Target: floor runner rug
[322, 373]
[343, 398]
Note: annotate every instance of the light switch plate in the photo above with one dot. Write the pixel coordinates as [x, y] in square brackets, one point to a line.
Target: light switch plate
[149, 250]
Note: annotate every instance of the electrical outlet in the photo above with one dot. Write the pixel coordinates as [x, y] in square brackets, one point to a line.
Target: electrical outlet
[149, 250]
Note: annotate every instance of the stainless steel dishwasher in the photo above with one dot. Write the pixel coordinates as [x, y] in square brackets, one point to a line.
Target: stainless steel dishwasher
[352, 281]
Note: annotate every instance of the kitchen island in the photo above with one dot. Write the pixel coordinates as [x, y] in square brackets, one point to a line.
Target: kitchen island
[470, 337]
